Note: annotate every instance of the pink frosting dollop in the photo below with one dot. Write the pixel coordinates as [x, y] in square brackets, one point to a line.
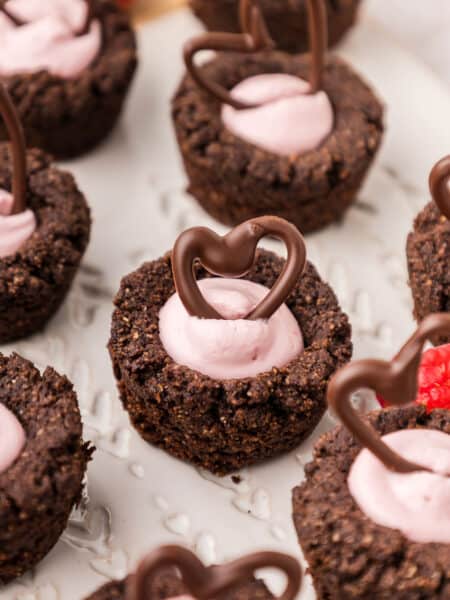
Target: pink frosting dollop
[12, 438]
[290, 121]
[232, 348]
[48, 40]
[14, 229]
[417, 504]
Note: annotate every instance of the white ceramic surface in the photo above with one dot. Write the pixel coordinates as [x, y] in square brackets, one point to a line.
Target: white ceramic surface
[137, 496]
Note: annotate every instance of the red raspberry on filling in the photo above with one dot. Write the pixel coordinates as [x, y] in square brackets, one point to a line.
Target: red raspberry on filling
[434, 379]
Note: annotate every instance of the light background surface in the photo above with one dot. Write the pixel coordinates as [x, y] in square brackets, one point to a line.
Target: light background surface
[137, 496]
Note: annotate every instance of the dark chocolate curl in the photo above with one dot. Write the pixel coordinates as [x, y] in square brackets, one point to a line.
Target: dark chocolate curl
[233, 256]
[208, 582]
[84, 30]
[18, 146]
[254, 38]
[440, 185]
[395, 381]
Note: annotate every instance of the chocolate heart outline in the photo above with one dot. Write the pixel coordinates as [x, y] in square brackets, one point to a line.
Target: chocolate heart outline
[396, 381]
[233, 255]
[10, 16]
[14, 127]
[439, 183]
[255, 37]
[207, 582]
[83, 31]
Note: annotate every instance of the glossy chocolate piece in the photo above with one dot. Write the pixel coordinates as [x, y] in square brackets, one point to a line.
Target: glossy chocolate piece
[440, 185]
[395, 381]
[208, 582]
[15, 131]
[232, 256]
[255, 37]
[83, 30]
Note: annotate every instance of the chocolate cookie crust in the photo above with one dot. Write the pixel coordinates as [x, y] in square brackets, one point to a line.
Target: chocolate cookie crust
[67, 117]
[350, 556]
[234, 180]
[38, 491]
[224, 425]
[35, 280]
[286, 19]
[428, 253]
[168, 585]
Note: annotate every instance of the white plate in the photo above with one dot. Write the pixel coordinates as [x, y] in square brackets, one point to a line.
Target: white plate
[138, 496]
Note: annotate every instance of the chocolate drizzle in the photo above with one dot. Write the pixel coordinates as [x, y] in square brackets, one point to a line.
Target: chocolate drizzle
[254, 38]
[440, 185]
[395, 381]
[233, 256]
[208, 582]
[89, 18]
[83, 31]
[18, 146]
[10, 16]
[318, 36]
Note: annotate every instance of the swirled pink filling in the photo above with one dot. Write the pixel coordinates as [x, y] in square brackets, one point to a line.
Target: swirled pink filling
[48, 40]
[232, 348]
[418, 504]
[289, 122]
[12, 438]
[14, 229]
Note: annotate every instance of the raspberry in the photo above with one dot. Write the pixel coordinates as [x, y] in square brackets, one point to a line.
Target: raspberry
[434, 379]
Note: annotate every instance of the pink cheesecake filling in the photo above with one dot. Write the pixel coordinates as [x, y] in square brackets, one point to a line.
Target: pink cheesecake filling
[418, 504]
[14, 229]
[48, 40]
[232, 348]
[290, 121]
[12, 438]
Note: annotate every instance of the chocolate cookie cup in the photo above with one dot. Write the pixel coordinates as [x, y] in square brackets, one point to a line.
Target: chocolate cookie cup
[234, 179]
[156, 578]
[36, 272]
[40, 488]
[69, 116]
[287, 19]
[428, 249]
[357, 553]
[223, 424]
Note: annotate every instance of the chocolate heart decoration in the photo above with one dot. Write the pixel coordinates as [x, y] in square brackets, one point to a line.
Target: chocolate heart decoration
[83, 30]
[233, 256]
[89, 17]
[10, 16]
[19, 156]
[207, 582]
[440, 185]
[395, 381]
[256, 38]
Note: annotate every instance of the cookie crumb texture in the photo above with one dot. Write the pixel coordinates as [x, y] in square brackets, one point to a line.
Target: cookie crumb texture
[68, 117]
[38, 492]
[428, 254]
[234, 180]
[350, 556]
[35, 280]
[286, 19]
[168, 585]
[223, 425]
